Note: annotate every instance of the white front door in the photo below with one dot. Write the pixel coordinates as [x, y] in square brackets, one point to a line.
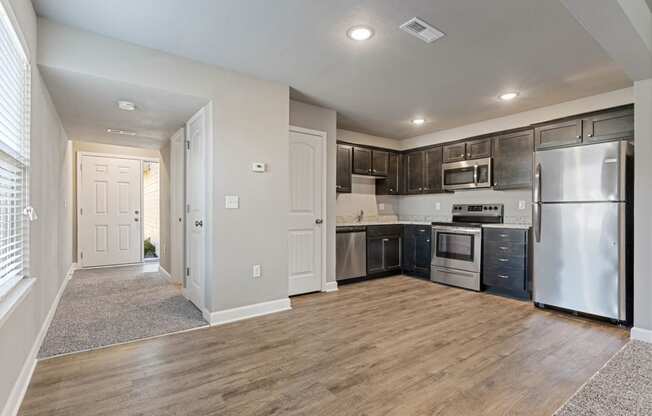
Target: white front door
[305, 224]
[196, 134]
[109, 198]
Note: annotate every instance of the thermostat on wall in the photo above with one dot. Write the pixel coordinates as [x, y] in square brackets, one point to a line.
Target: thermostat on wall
[258, 167]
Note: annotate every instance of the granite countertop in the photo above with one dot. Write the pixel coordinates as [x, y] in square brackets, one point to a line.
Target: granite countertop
[515, 226]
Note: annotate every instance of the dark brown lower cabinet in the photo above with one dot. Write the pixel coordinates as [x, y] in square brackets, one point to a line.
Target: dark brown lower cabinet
[417, 250]
[506, 261]
[383, 249]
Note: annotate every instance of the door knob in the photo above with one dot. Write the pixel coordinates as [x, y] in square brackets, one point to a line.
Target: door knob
[318, 221]
[199, 223]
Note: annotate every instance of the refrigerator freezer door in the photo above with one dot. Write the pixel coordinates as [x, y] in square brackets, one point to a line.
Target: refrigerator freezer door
[583, 173]
[576, 261]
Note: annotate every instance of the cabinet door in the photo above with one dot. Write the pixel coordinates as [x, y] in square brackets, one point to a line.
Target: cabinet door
[433, 161]
[610, 126]
[392, 184]
[344, 165]
[478, 149]
[409, 249]
[391, 253]
[380, 162]
[422, 249]
[558, 134]
[513, 160]
[362, 161]
[414, 172]
[375, 255]
[454, 152]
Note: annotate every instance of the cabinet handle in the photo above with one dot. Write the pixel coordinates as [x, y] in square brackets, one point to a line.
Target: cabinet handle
[427, 241]
[503, 235]
[590, 134]
[391, 190]
[385, 240]
[503, 276]
[503, 260]
[421, 189]
[503, 248]
[339, 186]
[579, 137]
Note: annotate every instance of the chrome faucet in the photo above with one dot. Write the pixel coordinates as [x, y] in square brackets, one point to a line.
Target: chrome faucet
[359, 217]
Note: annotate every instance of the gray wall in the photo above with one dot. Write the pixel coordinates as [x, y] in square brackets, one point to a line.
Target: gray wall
[51, 235]
[249, 122]
[322, 119]
[642, 208]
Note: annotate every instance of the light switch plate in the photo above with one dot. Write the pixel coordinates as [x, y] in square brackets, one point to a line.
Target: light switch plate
[438, 206]
[256, 271]
[521, 204]
[381, 206]
[231, 201]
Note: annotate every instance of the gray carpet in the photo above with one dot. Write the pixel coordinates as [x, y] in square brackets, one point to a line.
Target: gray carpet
[107, 306]
[622, 388]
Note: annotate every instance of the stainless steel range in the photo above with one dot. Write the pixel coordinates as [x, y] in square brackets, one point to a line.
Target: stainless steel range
[457, 245]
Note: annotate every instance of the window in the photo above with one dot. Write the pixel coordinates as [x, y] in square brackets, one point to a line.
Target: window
[14, 155]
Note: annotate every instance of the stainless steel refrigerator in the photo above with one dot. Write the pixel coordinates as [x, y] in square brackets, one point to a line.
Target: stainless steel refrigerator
[582, 221]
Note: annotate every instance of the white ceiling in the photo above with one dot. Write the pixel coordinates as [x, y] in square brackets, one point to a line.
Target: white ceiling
[377, 86]
[87, 106]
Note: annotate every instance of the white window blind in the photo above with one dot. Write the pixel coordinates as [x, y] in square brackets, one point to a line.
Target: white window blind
[14, 155]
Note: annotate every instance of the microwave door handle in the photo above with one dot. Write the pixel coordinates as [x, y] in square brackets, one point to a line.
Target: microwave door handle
[536, 206]
[475, 174]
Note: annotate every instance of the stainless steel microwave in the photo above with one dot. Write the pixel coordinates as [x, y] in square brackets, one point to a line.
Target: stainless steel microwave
[468, 174]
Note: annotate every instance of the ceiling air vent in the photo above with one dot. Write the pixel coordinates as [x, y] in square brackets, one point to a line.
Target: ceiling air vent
[422, 30]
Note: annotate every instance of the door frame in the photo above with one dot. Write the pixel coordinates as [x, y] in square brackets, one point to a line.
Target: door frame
[141, 159]
[324, 195]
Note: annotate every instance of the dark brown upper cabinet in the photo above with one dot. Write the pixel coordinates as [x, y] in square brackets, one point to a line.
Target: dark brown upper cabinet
[362, 161]
[610, 126]
[432, 170]
[454, 152]
[380, 162]
[565, 133]
[513, 160]
[392, 184]
[344, 166]
[414, 172]
[478, 149]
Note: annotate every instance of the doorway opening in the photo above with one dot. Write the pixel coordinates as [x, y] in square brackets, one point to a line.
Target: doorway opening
[151, 211]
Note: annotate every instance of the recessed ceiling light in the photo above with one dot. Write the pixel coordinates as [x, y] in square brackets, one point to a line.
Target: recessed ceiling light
[126, 105]
[121, 132]
[508, 96]
[418, 121]
[360, 33]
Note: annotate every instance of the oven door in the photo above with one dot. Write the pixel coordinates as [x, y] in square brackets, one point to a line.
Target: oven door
[457, 248]
[468, 174]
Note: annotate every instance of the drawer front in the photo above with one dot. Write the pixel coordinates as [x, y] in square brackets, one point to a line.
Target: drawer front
[504, 248]
[392, 230]
[504, 235]
[505, 278]
[500, 262]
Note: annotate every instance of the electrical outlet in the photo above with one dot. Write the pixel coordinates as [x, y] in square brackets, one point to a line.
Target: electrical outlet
[381, 206]
[256, 271]
[438, 206]
[521, 204]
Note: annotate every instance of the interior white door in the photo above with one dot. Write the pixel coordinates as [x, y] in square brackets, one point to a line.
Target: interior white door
[110, 195]
[196, 132]
[177, 190]
[305, 222]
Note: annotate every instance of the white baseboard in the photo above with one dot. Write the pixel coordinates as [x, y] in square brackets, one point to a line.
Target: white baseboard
[331, 287]
[165, 274]
[249, 311]
[641, 334]
[20, 387]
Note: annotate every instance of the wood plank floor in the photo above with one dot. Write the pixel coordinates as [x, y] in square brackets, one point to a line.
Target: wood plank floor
[394, 346]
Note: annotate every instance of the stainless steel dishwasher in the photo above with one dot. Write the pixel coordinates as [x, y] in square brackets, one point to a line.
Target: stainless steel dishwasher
[351, 249]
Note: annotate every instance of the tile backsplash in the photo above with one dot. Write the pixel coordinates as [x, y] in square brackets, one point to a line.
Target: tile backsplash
[427, 208]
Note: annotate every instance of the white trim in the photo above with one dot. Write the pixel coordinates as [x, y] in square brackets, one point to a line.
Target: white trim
[167, 275]
[249, 311]
[330, 287]
[324, 199]
[14, 297]
[20, 387]
[154, 159]
[641, 334]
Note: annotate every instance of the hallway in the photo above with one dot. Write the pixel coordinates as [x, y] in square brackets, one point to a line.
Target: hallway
[102, 307]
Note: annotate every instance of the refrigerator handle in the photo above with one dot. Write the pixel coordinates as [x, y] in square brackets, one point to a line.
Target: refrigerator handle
[536, 206]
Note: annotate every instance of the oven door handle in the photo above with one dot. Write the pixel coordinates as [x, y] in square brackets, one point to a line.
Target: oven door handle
[475, 174]
[458, 230]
